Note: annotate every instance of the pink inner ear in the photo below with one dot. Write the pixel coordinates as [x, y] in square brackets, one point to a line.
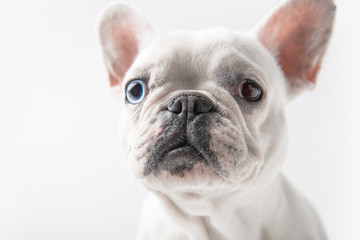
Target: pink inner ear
[123, 32]
[126, 46]
[297, 34]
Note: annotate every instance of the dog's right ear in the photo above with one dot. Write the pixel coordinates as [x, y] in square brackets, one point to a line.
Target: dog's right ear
[123, 33]
[297, 34]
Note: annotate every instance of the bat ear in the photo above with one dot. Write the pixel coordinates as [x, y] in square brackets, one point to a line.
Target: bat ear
[123, 33]
[297, 34]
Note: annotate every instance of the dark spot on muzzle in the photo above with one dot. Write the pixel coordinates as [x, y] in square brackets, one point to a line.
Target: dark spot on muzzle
[185, 139]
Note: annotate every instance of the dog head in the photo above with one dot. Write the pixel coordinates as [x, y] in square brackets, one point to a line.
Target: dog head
[206, 109]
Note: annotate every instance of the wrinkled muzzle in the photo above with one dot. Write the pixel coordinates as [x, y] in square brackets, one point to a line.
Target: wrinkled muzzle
[186, 136]
[192, 131]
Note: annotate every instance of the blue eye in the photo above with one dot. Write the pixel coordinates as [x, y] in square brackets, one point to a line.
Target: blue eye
[135, 91]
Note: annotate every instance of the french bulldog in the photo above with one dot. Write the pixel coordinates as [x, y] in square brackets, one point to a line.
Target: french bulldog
[203, 120]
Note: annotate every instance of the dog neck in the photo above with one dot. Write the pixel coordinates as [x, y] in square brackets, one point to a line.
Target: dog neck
[229, 215]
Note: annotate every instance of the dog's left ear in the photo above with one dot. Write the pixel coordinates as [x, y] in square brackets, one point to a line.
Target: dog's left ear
[123, 33]
[297, 34]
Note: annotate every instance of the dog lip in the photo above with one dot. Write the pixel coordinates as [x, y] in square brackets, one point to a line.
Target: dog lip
[183, 147]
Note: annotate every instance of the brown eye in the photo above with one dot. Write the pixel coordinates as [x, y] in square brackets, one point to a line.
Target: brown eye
[249, 91]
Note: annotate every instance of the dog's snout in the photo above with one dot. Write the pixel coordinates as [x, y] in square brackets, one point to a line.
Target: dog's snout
[190, 105]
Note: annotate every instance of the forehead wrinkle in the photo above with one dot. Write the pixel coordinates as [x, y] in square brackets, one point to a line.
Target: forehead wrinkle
[147, 72]
[234, 65]
[186, 60]
[182, 67]
[142, 73]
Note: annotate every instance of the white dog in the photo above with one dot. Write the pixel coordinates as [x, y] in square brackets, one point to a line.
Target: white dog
[204, 121]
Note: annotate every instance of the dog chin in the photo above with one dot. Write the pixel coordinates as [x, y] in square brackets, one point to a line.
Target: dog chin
[200, 177]
[190, 172]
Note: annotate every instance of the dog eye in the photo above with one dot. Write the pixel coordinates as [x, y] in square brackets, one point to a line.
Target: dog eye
[135, 91]
[249, 91]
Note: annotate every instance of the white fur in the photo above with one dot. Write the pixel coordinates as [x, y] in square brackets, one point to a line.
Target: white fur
[264, 206]
[252, 200]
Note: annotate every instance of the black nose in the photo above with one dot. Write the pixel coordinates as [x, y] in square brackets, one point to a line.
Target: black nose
[190, 105]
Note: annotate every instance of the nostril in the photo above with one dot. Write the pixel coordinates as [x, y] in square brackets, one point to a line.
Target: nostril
[175, 106]
[202, 106]
[192, 105]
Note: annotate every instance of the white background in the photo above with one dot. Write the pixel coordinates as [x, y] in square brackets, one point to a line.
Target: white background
[61, 175]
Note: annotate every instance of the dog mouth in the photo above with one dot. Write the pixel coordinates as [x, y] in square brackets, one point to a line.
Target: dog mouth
[183, 148]
[176, 158]
[185, 138]
[179, 151]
